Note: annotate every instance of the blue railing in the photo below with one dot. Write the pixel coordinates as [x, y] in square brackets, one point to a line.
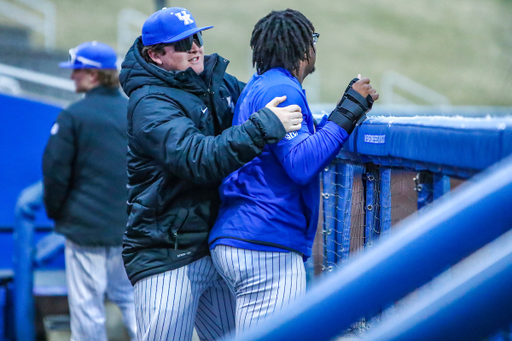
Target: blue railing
[27, 255]
[29, 202]
[422, 246]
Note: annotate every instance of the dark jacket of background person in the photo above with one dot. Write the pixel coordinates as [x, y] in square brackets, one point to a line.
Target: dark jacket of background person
[84, 169]
[174, 165]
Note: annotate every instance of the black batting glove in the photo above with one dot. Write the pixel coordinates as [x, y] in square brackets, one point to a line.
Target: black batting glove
[351, 109]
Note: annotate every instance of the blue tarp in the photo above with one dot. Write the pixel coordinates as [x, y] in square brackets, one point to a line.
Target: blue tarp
[24, 131]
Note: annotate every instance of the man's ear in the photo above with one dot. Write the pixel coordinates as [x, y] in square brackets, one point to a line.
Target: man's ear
[94, 75]
[155, 56]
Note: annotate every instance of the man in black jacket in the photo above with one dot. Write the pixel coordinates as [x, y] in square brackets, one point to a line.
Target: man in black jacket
[180, 146]
[84, 171]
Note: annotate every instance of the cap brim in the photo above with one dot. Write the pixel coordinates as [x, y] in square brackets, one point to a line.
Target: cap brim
[186, 34]
[68, 65]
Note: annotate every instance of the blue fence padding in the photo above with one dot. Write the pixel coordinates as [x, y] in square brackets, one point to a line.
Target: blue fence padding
[385, 200]
[470, 303]
[371, 221]
[24, 132]
[345, 181]
[441, 185]
[329, 204]
[479, 210]
[431, 143]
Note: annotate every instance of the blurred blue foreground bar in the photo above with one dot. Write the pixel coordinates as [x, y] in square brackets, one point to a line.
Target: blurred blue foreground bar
[470, 302]
[422, 247]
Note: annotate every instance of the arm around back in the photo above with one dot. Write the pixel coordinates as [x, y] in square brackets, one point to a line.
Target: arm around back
[170, 137]
[304, 154]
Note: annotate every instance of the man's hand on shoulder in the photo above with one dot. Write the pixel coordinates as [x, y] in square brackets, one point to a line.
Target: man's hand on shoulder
[290, 116]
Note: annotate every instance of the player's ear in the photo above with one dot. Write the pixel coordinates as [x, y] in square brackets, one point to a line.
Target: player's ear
[155, 56]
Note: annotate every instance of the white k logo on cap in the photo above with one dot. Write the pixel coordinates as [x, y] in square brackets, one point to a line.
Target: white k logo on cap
[183, 16]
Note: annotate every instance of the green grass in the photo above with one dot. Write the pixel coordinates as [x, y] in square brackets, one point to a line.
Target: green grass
[459, 48]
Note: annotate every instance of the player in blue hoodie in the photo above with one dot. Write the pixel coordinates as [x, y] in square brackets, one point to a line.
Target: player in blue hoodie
[269, 213]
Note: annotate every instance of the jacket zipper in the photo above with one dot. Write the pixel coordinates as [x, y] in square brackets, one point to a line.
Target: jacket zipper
[211, 78]
[211, 100]
[175, 240]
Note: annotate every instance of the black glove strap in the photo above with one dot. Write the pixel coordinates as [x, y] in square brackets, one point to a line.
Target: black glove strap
[351, 108]
[343, 120]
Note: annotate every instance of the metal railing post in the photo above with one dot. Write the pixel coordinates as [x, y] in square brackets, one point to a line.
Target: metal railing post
[29, 202]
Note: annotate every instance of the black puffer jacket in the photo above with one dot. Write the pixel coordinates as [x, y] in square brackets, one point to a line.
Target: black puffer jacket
[180, 148]
[83, 169]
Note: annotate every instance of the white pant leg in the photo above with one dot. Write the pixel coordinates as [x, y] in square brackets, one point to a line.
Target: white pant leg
[86, 277]
[215, 316]
[263, 282]
[166, 304]
[120, 290]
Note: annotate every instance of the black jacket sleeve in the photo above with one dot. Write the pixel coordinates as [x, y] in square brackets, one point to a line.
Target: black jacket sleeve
[165, 133]
[58, 164]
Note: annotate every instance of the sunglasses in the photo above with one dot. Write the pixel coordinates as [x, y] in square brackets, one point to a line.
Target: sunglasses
[185, 44]
[315, 38]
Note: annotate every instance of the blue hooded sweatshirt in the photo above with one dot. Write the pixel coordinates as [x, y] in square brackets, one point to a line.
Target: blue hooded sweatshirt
[272, 202]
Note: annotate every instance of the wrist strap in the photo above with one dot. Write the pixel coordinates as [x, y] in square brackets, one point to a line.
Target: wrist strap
[351, 108]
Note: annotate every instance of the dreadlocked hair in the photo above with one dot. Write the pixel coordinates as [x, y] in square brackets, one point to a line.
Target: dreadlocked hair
[281, 39]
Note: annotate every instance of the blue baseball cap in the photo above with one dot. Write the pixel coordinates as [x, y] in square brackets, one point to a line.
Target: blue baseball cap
[91, 55]
[169, 25]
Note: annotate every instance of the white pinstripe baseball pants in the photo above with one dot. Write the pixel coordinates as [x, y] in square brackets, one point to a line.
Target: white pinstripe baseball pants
[167, 305]
[93, 273]
[262, 282]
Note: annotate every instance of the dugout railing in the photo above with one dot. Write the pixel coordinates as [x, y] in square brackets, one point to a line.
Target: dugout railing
[391, 167]
[359, 191]
[374, 261]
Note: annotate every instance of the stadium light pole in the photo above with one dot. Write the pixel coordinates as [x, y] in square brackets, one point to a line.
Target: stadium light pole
[160, 4]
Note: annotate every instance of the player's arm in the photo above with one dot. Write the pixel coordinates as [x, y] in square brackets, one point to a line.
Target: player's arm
[58, 160]
[170, 137]
[305, 154]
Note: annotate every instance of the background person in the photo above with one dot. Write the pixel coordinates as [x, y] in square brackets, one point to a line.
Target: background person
[269, 213]
[181, 145]
[84, 174]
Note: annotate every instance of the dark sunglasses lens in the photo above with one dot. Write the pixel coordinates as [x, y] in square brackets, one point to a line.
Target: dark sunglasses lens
[198, 38]
[183, 45]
